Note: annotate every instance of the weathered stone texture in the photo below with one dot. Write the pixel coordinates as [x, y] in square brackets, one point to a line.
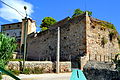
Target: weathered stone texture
[94, 70]
[94, 37]
[80, 36]
[73, 41]
[47, 66]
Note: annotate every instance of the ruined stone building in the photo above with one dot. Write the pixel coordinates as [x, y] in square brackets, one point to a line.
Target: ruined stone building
[81, 36]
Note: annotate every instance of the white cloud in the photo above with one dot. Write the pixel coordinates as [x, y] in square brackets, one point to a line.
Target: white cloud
[9, 14]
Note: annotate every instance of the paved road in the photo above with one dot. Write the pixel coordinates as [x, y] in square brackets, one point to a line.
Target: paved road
[52, 76]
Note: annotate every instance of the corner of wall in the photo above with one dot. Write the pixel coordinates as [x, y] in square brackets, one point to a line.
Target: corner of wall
[85, 58]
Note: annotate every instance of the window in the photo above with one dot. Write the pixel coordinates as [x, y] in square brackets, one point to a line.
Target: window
[18, 25]
[9, 26]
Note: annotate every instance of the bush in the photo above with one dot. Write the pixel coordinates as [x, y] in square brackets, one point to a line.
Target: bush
[16, 60]
[35, 70]
[16, 72]
[27, 71]
[38, 70]
[7, 47]
[104, 41]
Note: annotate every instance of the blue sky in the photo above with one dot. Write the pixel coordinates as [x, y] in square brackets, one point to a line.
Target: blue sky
[108, 10]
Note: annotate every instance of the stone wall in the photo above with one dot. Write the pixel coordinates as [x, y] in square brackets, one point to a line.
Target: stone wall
[98, 39]
[94, 70]
[73, 41]
[47, 66]
[80, 36]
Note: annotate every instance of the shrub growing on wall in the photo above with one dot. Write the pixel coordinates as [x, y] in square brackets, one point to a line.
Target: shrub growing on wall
[7, 47]
[78, 12]
[103, 41]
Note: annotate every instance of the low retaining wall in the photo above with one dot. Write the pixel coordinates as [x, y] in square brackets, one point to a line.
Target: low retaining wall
[47, 66]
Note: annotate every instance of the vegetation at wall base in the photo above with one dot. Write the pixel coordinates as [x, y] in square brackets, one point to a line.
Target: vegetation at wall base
[16, 60]
[35, 70]
[15, 72]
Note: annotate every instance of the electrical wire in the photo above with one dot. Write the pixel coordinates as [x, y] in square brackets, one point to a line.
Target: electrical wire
[12, 8]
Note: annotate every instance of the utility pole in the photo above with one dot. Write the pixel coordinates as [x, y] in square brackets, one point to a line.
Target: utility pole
[58, 51]
[25, 38]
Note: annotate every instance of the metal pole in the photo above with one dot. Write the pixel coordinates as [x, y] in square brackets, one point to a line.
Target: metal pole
[25, 38]
[58, 51]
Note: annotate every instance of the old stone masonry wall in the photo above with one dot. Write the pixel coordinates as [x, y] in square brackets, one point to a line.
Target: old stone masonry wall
[80, 36]
[45, 66]
[100, 39]
[72, 39]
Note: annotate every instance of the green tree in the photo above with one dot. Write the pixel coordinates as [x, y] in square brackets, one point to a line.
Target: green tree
[7, 47]
[78, 12]
[47, 22]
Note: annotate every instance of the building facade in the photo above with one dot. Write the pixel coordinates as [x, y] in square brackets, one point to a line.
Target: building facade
[17, 30]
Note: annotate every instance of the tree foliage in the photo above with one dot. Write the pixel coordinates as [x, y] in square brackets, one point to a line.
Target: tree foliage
[47, 22]
[7, 47]
[78, 12]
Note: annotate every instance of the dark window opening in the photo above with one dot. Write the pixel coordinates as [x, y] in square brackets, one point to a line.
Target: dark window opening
[93, 27]
[18, 25]
[9, 26]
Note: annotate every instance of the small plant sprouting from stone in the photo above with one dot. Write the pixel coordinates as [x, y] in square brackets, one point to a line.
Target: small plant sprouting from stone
[104, 41]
